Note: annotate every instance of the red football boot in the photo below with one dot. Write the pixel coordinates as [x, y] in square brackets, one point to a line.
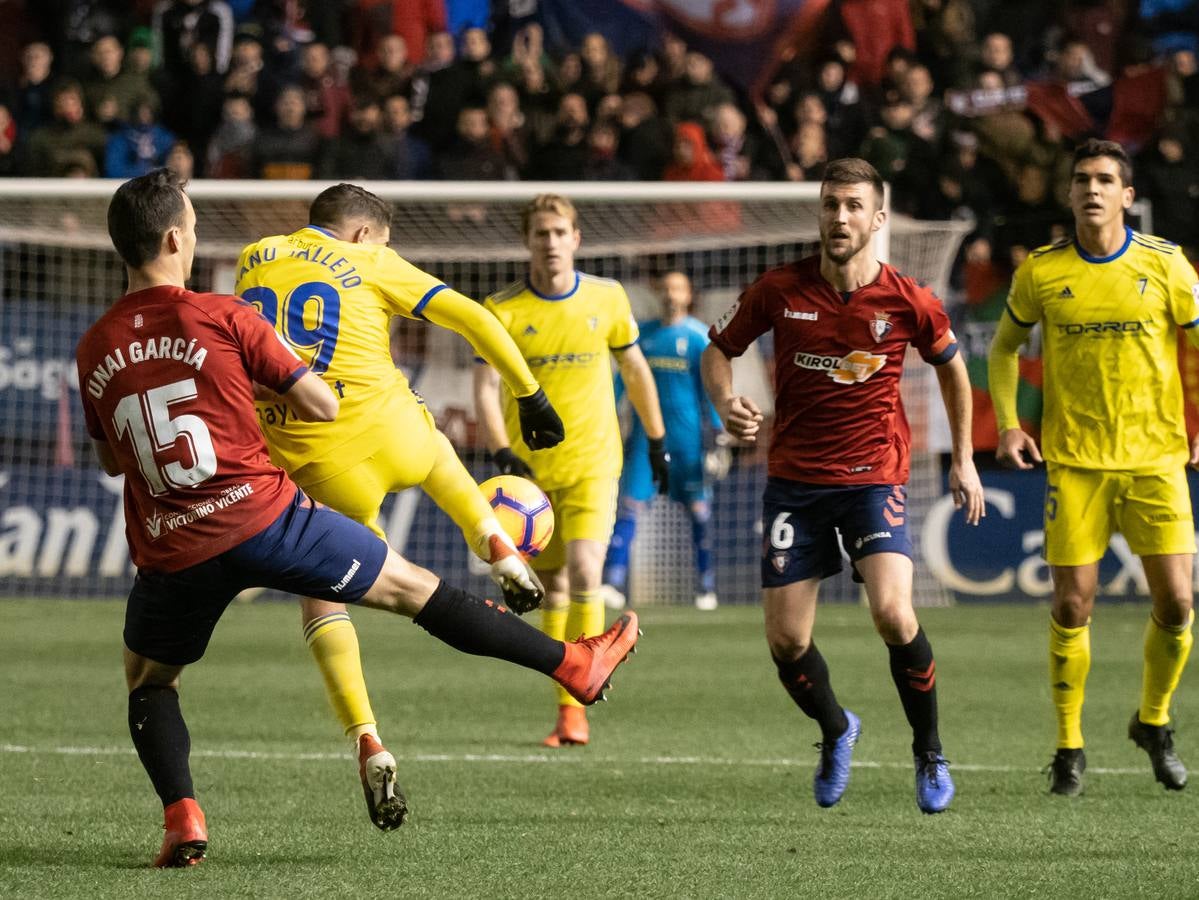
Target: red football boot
[586, 669]
[572, 728]
[186, 839]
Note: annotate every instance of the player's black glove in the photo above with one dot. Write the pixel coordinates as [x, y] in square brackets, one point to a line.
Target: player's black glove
[510, 464]
[539, 423]
[659, 464]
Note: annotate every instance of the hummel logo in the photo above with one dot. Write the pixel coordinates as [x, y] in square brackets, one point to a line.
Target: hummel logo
[154, 525]
[1066, 293]
[800, 314]
[529, 329]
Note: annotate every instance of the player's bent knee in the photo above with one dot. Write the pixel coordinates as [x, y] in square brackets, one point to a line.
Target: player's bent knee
[312, 608]
[787, 648]
[141, 671]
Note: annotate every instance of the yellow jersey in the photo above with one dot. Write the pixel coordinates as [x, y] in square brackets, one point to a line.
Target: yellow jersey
[333, 302]
[1113, 395]
[566, 340]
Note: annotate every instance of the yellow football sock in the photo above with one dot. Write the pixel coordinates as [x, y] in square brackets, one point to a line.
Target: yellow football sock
[585, 618]
[334, 645]
[1069, 663]
[553, 624]
[1166, 651]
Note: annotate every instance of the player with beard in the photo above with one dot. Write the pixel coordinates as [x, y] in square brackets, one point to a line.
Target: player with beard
[839, 459]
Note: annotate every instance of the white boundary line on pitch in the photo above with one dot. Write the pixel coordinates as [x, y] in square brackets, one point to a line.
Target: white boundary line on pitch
[557, 759]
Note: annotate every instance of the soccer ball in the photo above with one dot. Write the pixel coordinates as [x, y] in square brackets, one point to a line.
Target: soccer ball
[523, 511]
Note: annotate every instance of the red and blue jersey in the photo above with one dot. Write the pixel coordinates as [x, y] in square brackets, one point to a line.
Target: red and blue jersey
[838, 359]
[166, 379]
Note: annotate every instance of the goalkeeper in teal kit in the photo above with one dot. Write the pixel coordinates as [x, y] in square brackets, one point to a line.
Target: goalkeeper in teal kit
[672, 346]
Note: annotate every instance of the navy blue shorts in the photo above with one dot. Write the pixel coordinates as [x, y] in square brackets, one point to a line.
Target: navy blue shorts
[800, 523]
[309, 550]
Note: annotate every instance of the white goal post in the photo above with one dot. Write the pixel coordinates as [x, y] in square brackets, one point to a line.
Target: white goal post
[60, 527]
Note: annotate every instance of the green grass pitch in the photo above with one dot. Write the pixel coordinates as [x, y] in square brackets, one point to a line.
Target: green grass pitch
[697, 783]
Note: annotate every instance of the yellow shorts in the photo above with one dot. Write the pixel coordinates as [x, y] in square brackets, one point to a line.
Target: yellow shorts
[584, 511]
[1083, 507]
[398, 454]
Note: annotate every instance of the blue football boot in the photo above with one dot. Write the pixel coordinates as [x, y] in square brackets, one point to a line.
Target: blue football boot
[832, 775]
[934, 786]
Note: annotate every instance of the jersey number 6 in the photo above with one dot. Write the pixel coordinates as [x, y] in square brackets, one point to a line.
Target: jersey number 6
[317, 297]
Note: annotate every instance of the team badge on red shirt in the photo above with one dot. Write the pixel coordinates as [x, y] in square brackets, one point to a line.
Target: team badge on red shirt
[880, 326]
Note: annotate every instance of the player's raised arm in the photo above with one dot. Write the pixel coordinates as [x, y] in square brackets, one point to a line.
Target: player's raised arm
[643, 394]
[541, 427]
[964, 482]
[740, 415]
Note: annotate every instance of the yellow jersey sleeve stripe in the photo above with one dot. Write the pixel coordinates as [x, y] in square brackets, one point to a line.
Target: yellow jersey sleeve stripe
[1017, 319]
[424, 301]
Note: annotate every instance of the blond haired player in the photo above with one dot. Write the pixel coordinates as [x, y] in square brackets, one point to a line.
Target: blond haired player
[331, 290]
[1110, 302]
[568, 325]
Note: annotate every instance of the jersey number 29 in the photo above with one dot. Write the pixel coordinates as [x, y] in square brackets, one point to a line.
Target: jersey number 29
[318, 341]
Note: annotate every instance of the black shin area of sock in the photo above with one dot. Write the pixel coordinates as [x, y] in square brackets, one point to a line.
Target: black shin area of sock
[487, 628]
[162, 741]
[915, 674]
[807, 681]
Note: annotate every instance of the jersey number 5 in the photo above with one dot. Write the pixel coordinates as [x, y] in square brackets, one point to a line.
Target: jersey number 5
[317, 297]
[146, 418]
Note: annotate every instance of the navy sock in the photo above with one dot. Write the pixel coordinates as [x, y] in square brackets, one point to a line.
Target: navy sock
[486, 628]
[915, 674]
[703, 551]
[616, 566]
[807, 681]
[163, 744]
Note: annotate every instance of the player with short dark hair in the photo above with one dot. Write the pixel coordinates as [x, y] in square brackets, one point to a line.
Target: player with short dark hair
[568, 326]
[167, 380]
[1110, 302]
[839, 459]
[672, 345]
[331, 289]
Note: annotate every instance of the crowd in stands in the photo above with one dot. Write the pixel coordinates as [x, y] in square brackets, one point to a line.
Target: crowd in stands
[938, 94]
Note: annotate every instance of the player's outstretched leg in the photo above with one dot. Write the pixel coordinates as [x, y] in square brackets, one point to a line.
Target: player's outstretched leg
[486, 628]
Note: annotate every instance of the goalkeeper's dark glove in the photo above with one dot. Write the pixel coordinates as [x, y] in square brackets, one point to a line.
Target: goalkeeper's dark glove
[659, 464]
[510, 464]
[539, 423]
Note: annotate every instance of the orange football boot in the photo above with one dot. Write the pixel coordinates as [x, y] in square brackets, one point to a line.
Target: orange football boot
[186, 839]
[586, 669]
[572, 728]
[377, 770]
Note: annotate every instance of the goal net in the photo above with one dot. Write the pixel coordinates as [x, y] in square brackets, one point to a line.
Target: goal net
[61, 523]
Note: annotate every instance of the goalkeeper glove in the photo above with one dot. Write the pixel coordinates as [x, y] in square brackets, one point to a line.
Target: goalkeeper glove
[659, 464]
[510, 464]
[539, 423]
